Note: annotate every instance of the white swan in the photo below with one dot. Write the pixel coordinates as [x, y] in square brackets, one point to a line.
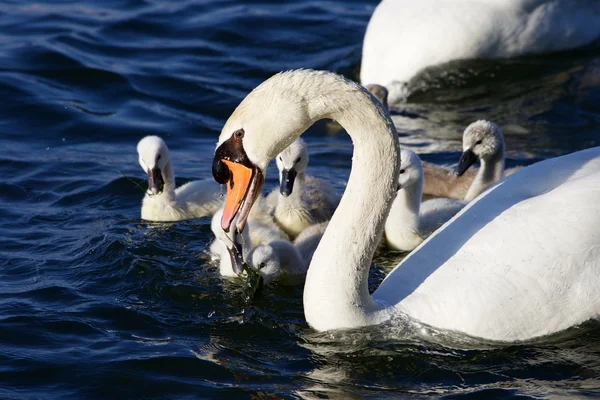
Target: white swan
[482, 140]
[518, 262]
[162, 201]
[411, 221]
[282, 261]
[301, 200]
[405, 36]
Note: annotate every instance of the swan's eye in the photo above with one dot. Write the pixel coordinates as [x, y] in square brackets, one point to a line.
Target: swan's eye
[239, 133]
[478, 142]
[261, 265]
[158, 157]
[402, 171]
[298, 159]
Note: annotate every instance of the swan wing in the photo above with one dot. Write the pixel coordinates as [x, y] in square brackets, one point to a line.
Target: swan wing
[519, 261]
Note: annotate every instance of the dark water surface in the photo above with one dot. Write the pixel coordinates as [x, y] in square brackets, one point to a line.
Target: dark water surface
[95, 303]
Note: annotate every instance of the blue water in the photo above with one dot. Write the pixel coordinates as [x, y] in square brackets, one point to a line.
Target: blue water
[95, 303]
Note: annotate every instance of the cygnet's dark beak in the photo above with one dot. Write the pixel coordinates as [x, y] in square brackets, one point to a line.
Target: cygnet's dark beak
[466, 160]
[288, 177]
[155, 181]
[236, 254]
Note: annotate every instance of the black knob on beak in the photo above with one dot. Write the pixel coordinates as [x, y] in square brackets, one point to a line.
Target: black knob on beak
[220, 171]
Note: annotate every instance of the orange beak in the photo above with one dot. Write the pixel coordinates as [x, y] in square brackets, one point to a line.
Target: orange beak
[237, 189]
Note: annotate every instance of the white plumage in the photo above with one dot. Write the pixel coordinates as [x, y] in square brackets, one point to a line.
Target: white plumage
[405, 36]
[410, 221]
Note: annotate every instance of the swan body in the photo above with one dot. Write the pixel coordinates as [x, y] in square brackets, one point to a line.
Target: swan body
[404, 36]
[163, 202]
[409, 220]
[518, 262]
[301, 200]
[482, 140]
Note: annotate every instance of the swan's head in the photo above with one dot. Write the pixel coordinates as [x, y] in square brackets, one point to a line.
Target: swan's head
[267, 121]
[411, 169]
[232, 241]
[482, 140]
[291, 162]
[380, 93]
[154, 158]
[264, 259]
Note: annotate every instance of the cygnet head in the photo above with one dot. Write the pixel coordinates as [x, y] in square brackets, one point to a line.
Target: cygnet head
[291, 162]
[380, 93]
[482, 140]
[155, 161]
[265, 260]
[411, 169]
[232, 241]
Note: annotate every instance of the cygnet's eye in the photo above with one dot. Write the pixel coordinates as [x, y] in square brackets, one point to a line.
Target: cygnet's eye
[478, 142]
[298, 159]
[402, 171]
[261, 265]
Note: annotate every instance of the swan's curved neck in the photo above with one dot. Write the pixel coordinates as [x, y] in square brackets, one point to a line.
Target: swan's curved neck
[491, 171]
[336, 293]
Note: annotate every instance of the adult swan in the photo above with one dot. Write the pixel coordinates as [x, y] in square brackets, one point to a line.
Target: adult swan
[520, 261]
[405, 36]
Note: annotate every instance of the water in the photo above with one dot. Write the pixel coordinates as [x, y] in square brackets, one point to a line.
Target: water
[95, 303]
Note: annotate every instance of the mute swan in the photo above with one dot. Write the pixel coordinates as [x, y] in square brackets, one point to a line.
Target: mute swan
[411, 221]
[286, 262]
[162, 201]
[301, 200]
[482, 140]
[404, 36]
[520, 261]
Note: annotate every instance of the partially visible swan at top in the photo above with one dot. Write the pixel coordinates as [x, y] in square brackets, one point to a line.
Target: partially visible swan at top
[411, 221]
[520, 261]
[163, 202]
[405, 36]
[282, 261]
[482, 140]
[301, 200]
